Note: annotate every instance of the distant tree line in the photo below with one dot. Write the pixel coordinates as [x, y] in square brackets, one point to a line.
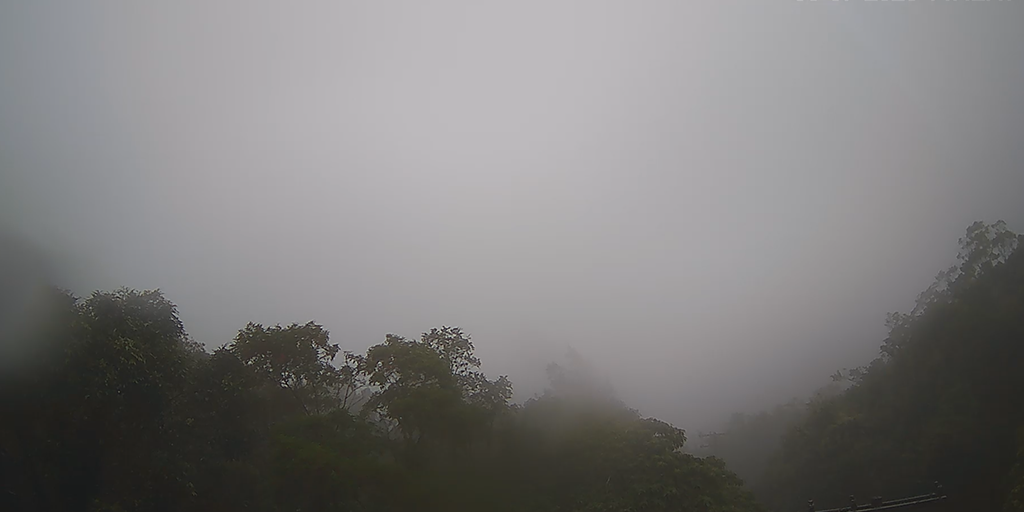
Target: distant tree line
[116, 408]
[944, 401]
[122, 411]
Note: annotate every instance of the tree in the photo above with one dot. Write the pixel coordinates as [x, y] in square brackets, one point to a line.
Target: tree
[432, 388]
[750, 440]
[296, 358]
[132, 414]
[572, 452]
[941, 402]
[103, 424]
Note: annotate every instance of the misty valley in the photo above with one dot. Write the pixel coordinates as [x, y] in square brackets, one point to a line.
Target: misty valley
[117, 409]
[512, 256]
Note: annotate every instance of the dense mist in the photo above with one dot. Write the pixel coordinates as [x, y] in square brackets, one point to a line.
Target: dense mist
[713, 204]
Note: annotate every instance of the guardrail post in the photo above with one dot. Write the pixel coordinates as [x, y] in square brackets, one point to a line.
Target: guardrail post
[853, 503]
[810, 505]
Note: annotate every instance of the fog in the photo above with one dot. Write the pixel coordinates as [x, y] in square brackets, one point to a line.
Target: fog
[713, 202]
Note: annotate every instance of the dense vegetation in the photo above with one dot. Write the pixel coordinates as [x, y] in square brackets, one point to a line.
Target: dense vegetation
[124, 412]
[944, 401]
[748, 441]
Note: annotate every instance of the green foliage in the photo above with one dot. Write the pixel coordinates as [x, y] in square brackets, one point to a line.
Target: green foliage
[126, 412]
[297, 359]
[1015, 480]
[104, 424]
[129, 413]
[750, 440]
[942, 402]
[431, 391]
[572, 455]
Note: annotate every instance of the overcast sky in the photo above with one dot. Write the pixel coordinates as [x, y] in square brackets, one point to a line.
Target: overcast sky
[716, 202]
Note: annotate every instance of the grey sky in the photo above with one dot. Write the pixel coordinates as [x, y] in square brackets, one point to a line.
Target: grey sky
[716, 202]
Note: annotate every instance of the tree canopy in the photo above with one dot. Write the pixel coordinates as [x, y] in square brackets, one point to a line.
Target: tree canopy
[128, 413]
[943, 401]
[118, 409]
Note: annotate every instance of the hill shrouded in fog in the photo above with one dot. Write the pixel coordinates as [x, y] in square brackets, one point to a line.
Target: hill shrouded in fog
[740, 189]
[672, 236]
[121, 410]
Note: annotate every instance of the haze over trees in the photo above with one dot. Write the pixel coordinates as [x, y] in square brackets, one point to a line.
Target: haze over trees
[342, 250]
[124, 411]
[128, 413]
[944, 400]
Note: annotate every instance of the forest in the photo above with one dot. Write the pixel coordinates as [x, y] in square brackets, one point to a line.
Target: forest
[943, 401]
[123, 411]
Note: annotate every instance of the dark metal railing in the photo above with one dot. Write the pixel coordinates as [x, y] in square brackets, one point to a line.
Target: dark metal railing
[877, 503]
